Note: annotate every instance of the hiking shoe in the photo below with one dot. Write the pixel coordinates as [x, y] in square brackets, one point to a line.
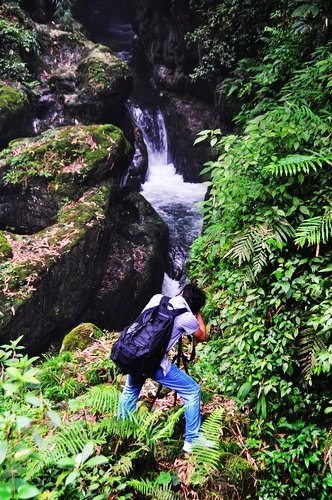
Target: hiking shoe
[200, 442]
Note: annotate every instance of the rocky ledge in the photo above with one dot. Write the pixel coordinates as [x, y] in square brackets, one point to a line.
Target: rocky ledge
[73, 245]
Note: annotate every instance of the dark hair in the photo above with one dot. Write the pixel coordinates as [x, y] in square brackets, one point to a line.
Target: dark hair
[194, 296]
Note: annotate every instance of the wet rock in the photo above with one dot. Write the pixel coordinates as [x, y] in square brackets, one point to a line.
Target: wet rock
[52, 274]
[16, 114]
[185, 117]
[81, 81]
[135, 264]
[137, 170]
[104, 82]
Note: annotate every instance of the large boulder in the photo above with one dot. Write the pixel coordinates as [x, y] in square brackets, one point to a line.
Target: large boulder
[38, 175]
[81, 81]
[63, 216]
[135, 264]
[53, 272]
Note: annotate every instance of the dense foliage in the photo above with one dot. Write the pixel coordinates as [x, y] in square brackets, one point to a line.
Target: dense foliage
[265, 252]
[60, 436]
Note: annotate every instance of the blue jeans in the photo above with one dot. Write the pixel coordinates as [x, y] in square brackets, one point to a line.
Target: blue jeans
[176, 380]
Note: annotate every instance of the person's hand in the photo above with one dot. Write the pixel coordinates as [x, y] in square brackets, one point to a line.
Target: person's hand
[200, 333]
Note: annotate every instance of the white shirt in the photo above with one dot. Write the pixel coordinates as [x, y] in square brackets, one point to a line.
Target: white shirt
[184, 324]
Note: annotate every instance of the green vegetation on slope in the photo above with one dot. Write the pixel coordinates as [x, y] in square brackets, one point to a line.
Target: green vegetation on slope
[265, 253]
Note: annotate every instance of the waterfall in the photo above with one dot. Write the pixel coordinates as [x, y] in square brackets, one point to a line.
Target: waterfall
[173, 199]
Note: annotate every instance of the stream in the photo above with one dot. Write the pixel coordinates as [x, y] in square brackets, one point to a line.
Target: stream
[173, 199]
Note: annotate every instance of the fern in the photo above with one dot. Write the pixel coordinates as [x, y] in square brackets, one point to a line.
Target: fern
[67, 441]
[103, 399]
[315, 230]
[152, 489]
[206, 459]
[298, 164]
[309, 344]
[211, 427]
[63, 12]
[254, 245]
[165, 429]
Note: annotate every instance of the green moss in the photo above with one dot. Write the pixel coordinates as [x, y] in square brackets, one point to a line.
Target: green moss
[18, 280]
[12, 102]
[102, 73]
[81, 337]
[237, 469]
[5, 248]
[64, 155]
[18, 47]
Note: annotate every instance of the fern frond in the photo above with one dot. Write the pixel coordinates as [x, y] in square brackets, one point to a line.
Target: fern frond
[315, 230]
[122, 428]
[166, 429]
[208, 458]
[67, 441]
[254, 244]
[211, 427]
[124, 465]
[103, 399]
[297, 164]
[151, 489]
[309, 344]
[242, 249]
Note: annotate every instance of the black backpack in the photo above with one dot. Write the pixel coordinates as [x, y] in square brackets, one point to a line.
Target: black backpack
[142, 345]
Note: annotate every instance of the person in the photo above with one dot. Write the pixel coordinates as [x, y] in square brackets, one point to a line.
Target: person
[189, 323]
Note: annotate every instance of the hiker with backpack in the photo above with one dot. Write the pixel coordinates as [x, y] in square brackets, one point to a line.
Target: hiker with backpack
[141, 355]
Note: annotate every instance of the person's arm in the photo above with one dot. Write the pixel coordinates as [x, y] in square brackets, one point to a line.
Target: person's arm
[200, 333]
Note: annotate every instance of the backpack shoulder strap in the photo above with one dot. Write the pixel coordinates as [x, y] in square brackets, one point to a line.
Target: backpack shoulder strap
[164, 302]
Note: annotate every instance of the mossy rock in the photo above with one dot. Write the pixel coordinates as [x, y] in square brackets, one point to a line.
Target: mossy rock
[238, 469]
[15, 113]
[81, 337]
[60, 261]
[5, 248]
[104, 81]
[65, 155]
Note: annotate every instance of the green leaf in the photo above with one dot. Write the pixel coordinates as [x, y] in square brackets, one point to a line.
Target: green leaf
[14, 372]
[23, 453]
[164, 478]
[22, 422]
[3, 451]
[244, 390]
[33, 400]
[27, 491]
[5, 491]
[71, 477]
[285, 286]
[10, 388]
[55, 418]
[100, 459]
[66, 462]
[86, 452]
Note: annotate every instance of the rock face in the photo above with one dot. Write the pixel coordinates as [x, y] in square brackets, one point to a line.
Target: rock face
[161, 28]
[66, 213]
[135, 264]
[185, 117]
[160, 45]
[81, 81]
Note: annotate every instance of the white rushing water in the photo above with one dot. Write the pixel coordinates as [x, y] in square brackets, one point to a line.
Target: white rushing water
[173, 199]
